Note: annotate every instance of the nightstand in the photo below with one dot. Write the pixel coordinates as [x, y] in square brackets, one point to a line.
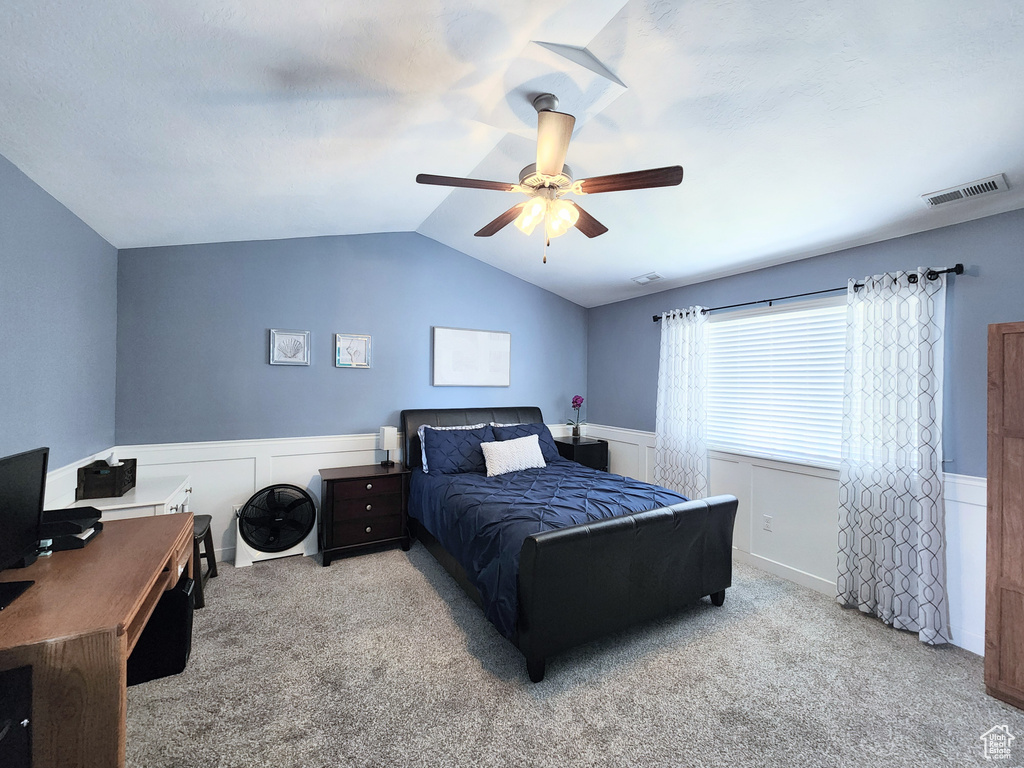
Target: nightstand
[363, 507]
[585, 451]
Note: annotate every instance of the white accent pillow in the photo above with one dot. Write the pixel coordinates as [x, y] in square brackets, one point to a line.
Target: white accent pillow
[423, 443]
[504, 456]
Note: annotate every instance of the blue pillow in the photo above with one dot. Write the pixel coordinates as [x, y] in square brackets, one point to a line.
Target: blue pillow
[547, 442]
[451, 451]
[423, 442]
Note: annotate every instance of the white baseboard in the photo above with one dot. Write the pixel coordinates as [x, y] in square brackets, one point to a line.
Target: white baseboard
[969, 641]
[795, 575]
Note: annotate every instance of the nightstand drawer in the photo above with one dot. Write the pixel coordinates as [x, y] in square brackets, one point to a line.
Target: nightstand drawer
[371, 486]
[369, 506]
[366, 530]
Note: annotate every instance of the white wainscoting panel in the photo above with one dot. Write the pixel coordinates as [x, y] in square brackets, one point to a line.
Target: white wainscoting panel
[803, 510]
[803, 502]
[630, 451]
[226, 474]
[966, 519]
[732, 476]
[804, 505]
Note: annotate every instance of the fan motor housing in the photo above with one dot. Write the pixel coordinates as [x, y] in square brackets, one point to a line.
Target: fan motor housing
[529, 178]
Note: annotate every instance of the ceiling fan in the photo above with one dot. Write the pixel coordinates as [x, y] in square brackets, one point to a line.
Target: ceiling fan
[549, 180]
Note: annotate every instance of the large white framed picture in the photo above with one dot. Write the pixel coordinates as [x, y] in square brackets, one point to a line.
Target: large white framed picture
[468, 358]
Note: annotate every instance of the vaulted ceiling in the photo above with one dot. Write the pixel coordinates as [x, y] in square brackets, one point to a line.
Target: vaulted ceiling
[803, 127]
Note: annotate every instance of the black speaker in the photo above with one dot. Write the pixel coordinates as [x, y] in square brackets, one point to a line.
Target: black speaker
[166, 642]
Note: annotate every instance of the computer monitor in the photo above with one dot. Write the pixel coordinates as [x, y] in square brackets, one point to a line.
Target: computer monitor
[22, 487]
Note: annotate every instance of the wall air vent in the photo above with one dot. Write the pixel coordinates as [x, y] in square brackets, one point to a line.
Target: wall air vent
[650, 277]
[987, 186]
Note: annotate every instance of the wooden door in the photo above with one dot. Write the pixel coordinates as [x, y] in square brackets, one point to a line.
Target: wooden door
[1004, 597]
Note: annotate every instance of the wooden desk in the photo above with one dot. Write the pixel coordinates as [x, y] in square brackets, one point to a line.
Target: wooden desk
[76, 626]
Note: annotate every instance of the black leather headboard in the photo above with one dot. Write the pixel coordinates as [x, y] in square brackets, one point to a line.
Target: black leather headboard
[456, 417]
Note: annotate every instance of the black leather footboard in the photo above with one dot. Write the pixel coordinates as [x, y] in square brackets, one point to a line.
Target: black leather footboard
[580, 583]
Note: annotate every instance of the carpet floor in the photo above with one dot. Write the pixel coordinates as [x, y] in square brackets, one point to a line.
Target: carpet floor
[381, 660]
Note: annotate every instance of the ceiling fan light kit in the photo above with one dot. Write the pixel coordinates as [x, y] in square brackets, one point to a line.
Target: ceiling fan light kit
[559, 216]
[547, 181]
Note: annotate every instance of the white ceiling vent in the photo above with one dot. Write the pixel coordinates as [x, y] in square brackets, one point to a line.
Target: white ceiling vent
[987, 186]
[650, 277]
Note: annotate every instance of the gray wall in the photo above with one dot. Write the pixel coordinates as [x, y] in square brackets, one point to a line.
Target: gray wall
[623, 342]
[193, 325]
[58, 302]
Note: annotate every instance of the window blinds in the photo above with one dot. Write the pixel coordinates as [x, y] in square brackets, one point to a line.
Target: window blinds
[775, 382]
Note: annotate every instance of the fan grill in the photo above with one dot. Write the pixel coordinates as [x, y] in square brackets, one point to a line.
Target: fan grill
[277, 518]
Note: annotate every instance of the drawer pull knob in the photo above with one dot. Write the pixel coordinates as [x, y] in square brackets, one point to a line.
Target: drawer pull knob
[174, 508]
[368, 528]
[369, 507]
[369, 486]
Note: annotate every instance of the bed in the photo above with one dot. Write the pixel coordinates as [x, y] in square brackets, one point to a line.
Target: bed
[560, 555]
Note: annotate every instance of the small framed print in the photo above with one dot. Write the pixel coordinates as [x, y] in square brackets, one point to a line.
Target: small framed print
[289, 347]
[352, 350]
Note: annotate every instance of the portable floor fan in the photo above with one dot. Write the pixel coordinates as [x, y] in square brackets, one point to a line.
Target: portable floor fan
[277, 521]
[549, 180]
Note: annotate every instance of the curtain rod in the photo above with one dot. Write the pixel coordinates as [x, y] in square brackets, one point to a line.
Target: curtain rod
[931, 274]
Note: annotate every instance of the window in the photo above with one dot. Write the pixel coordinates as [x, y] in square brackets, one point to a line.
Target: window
[775, 381]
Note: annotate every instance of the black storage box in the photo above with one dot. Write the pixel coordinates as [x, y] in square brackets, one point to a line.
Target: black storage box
[164, 646]
[100, 481]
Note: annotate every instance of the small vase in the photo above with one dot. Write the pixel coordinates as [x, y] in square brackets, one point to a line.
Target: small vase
[575, 431]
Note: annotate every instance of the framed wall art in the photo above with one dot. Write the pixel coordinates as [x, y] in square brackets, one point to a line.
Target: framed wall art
[352, 350]
[467, 358]
[289, 347]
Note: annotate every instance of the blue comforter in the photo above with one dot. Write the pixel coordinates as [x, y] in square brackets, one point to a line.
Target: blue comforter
[482, 521]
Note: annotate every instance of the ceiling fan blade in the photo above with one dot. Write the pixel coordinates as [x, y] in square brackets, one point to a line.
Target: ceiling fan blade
[456, 181]
[615, 182]
[588, 225]
[502, 221]
[554, 129]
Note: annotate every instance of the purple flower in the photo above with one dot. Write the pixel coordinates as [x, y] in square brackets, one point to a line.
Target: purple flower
[577, 402]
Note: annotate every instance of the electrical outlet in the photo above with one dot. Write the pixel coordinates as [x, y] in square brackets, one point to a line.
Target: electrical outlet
[767, 525]
[236, 508]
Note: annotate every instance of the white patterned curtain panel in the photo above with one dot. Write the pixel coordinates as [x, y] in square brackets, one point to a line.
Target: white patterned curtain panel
[892, 558]
[680, 442]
